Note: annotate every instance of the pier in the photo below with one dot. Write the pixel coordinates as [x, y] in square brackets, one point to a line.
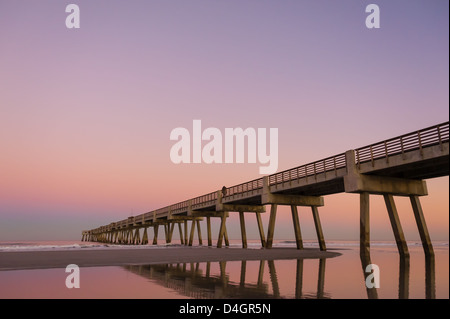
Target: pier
[398, 166]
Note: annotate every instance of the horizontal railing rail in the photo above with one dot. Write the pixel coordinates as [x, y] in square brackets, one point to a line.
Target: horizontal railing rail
[329, 164]
[162, 211]
[253, 185]
[184, 205]
[434, 135]
[207, 198]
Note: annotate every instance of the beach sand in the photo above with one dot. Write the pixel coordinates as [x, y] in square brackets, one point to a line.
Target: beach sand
[131, 256]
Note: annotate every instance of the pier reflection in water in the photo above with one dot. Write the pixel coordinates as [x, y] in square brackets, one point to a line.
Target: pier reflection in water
[293, 279]
[404, 276]
[342, 277]
[211, 280]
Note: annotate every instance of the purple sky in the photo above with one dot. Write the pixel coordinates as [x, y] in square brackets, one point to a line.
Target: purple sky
[86, 114]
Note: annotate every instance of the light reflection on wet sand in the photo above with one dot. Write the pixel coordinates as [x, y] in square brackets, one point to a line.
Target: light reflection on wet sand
[341, 277]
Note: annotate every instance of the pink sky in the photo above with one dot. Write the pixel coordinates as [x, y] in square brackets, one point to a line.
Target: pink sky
[85, 115]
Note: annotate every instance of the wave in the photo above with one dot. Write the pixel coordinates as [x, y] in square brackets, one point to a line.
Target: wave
[11, 247]
[46, 246]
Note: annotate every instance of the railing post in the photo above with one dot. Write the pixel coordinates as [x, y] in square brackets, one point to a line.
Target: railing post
[386, 152]
[440, 138]
[334, 163]
[357, 158]
[420, 143]
[189, 212]
[315, 176]
[371, 155]
[401, 145]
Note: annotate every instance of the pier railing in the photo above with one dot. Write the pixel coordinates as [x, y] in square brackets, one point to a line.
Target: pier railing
[329, 165]
[253, 185]
[209, 198]
[434, 135]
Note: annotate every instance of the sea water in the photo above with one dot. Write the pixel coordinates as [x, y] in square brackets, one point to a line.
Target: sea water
[341, 277]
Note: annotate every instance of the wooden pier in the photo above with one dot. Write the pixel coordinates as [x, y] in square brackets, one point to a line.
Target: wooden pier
[394, 167]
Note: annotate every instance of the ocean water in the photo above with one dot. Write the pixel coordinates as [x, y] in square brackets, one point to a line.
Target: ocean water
[341, 277]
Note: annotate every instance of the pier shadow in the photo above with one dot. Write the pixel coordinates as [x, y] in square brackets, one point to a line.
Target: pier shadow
[404, 276]
[197, 280]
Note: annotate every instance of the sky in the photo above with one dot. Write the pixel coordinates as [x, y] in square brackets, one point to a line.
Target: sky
[86, 114]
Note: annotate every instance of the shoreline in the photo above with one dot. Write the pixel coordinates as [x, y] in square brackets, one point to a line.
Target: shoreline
[22, 260]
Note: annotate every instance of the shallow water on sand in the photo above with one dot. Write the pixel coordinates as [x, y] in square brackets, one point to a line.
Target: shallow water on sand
[340, 277]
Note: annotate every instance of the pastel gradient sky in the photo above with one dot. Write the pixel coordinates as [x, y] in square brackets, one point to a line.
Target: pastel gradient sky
[86, 114]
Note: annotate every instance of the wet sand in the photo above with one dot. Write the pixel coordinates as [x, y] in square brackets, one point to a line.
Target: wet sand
[124, 256]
